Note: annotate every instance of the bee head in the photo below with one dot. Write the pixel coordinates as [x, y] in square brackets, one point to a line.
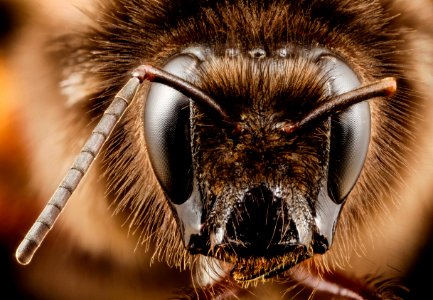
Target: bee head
[267, 180]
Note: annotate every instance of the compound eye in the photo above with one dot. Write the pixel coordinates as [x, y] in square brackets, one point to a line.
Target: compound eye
[350, 133]
[167, 131]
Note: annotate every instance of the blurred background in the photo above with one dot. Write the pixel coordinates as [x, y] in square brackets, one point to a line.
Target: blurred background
[14, 178]
[20, 203]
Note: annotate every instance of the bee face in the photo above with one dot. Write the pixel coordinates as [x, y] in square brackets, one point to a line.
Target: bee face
[249, 194]
[254, 190]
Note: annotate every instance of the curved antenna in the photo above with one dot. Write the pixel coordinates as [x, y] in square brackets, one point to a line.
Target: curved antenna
[199, 97]
[382, 88]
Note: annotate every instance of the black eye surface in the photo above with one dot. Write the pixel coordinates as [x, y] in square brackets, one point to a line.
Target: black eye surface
[350, 133]
[167, 131]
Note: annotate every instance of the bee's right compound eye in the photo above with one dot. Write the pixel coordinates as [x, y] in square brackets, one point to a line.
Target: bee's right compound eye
[167, 131]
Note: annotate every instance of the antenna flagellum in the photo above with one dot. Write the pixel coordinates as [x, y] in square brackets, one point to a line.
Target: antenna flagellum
[79, 168]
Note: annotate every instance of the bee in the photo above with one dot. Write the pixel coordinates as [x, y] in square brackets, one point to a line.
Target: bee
[252, 142]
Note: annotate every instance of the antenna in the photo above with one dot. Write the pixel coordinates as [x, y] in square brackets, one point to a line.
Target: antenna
[385, 87]
[79, 168]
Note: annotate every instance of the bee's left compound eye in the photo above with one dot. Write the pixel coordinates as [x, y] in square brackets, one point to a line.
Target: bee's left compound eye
[167, 131]
[350, 133]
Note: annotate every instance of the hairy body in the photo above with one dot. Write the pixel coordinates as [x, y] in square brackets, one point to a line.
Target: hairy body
[120, 211]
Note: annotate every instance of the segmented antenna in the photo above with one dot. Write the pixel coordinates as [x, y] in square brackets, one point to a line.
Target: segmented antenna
[90, 150]
[93, 146]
